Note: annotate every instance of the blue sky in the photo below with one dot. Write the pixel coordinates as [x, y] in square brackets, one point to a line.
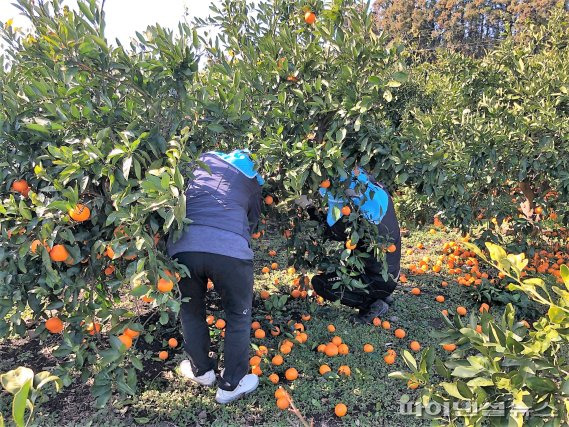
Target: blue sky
[125, 17]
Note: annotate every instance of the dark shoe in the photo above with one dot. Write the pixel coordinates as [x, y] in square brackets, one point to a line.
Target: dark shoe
[377, 309]
[389, 299]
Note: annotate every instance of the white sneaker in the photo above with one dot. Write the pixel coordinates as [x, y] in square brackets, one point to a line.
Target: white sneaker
[248, 384]
[207, 379]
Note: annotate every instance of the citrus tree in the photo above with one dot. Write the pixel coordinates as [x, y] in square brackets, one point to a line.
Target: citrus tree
[93, 136]
[318, 95]
[491, 138]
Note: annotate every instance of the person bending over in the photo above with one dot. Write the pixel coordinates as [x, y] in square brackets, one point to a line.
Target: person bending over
[224, 205]
[377, 207]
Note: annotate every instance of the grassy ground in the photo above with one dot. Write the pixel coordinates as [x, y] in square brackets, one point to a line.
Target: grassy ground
[371, 397]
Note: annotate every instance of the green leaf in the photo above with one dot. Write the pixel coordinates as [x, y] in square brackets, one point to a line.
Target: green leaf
[565, 275]
[466, 371]
[410, 360]
[37, 128]
[497, 253]
[400, 76]
[12, 381]
[393, 83]
[556, 314]
[20, 402]
[541, 385]
[387, 95]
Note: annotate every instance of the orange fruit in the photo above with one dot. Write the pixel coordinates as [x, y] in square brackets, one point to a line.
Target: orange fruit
[376, 321]
[389, 359]
[264, 294]
[275, 331]
[306, 317]
[444, 312]
[399, 333]
[262, 351]
[331, 350]
[126, 340]
[220, 324]
[331, 328]
[321, 348]
[285, 349]
[440, 298]
[131, 333]
[109, 252]
[291, 270]
[324, 369]
[274, 378]
[310, 18]
[444, 284]
[326, 182]
[283, 403]
[210, 319]
[295, 293]
[93, 328]
[277, 360]
[343, 349]
[274, 266]
[291, 374]
[265, 270]
[272, 252]
[344, 370]
[80, 213]
[146, 299]
[256, 370]
[461, 311]
[350, 246]
[165, 285]
[255, 325]
[484, 307]
[415, 346]
[346, 210]
[479, 329]
[260, 334]
[449, 347]
[340, 410]
[385, 324]
[21, 186]
[337, 340]
[269, 200]
[54, 325]
[412, 384]
[280, 393]
[538, 210]
[34, 246]
[368, 348]
[255, 361]
[109, 270]
[416, 291]
[391, 248]
[172, 343]
[163, 355]
[58, 253]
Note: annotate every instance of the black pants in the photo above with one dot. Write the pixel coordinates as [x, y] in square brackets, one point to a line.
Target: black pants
[233, 279]
[359, 298]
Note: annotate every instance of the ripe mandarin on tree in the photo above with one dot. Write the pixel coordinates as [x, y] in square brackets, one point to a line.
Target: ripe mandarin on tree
[309, 17]
[220, 323]
[80, 213]
[172, 343]
[165, 285]
[163, 355]
[58, 253]
[54, 325]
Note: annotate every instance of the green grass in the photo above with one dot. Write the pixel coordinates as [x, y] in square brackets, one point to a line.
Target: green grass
[371, 397]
